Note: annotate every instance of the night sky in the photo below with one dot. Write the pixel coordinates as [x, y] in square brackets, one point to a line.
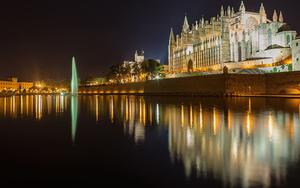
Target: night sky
[38, 38]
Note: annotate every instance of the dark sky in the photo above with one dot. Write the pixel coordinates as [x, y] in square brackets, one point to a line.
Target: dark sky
[38, 38]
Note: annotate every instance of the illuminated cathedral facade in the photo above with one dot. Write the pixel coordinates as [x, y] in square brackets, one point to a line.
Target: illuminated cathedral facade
[231, 39]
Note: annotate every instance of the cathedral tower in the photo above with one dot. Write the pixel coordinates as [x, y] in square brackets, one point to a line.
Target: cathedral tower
[263, 15]
[172, 45]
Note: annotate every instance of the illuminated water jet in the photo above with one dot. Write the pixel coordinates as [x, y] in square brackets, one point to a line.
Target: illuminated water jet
[74, 81]
[74, 116]
[74, 100]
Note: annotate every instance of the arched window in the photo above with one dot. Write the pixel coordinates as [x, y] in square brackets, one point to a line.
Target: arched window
[251, 45]
[270, 37]
[288, 40]
[244, 35]
[190, 66]
[239, 51]
[236, 37]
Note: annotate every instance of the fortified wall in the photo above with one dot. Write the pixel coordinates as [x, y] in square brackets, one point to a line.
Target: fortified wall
[210, 85]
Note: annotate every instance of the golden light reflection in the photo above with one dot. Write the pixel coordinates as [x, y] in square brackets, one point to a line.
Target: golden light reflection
[111, 109]
[97, 107]
[39, 106]
[201, 117]
[127, 109]
[57, 105]
[140, 111]
[249, 118]
[49, 104]
[27, 105]
[150, 114]
[182, 115]
[270, 126]
[21, 105]
[215, 120]
[229, 119]
[191, 116]
[258, 145]
[61, 104]
[4, 107]
[31, 106]
[235, 151]
[144, 113]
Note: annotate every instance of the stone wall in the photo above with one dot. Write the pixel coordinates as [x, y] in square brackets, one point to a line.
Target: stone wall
[211, 85]
[133, 88]
[283, 83]
[201, 85]
[245, 84]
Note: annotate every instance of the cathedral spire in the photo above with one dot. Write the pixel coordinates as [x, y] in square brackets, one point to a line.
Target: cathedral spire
[222, 11]
[172, 37]
[262, 13]
[262, 10]
[275, 16]
[229, 11]
[202, 22]
[280, 17]
[185, 27]
[232, 12]
[242, 7]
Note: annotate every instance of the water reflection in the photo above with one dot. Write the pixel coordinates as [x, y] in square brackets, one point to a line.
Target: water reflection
[241, 141]
[74, 116]
[35, 106]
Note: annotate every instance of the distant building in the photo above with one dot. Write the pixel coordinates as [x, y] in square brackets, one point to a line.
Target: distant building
[236, 39]
[136, 65]
[14, 85]
[139, 57]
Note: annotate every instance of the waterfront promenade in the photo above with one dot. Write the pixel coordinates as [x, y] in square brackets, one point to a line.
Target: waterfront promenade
[275, 85]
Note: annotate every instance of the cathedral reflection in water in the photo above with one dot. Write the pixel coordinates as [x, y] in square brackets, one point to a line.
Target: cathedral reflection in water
[237, 140]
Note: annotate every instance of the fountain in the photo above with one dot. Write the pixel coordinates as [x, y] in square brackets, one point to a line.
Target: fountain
[74, 81]
[74, 100]
[74, 116]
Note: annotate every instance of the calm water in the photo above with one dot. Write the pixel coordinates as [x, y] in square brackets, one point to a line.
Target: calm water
[149, 141]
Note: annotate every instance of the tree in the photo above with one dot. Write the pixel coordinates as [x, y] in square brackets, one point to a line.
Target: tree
[129, 72]
[152, 69]
[137, 71]
[120, 73]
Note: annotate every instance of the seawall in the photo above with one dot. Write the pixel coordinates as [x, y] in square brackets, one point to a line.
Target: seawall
[287, 83]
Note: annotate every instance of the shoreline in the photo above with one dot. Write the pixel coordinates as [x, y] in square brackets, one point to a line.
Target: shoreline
[296, 96]
[193, 95]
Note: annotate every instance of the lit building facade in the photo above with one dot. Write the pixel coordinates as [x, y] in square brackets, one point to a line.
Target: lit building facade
[14, 85]
[139, 57]
[231, 37]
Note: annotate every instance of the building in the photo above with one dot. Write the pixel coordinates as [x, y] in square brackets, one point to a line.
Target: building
[136, 66]
[296, 54]
[139, 57]
[234, 39]
[14, 85]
